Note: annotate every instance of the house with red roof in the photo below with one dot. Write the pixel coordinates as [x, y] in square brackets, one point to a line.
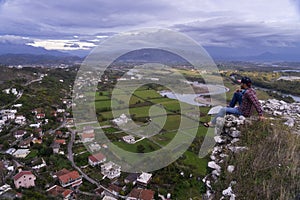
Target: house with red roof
[96, 159]
[19, 133]
[87, 137]
[141, 194]
[57, 191]
[70, 179]
[60, 141]
[24, 179]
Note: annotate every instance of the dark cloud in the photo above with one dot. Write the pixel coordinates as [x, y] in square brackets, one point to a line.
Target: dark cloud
[226, 25]
[63, 17]
[72, 45]
[239, 34]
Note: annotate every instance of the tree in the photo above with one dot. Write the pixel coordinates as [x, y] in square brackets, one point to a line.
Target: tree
[140, 148]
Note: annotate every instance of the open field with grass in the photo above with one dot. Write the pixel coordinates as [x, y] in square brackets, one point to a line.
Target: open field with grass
[147, 144]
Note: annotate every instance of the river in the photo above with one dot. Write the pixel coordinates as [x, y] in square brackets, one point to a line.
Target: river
[190, 98]
[296, 98]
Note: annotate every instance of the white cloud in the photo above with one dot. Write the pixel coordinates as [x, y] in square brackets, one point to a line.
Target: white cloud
[14, 39]
[62, 44]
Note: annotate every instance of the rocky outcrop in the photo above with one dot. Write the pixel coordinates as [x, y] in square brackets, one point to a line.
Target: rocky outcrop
[288, 111]
[227, 133]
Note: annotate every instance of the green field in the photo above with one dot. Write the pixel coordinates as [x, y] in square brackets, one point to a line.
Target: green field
[198, 165]
[147, 94]
[148, 145]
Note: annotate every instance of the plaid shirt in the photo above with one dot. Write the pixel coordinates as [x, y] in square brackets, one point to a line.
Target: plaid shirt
[249, 101]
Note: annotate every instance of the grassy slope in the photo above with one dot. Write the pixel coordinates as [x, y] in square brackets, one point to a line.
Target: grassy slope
[270, 168]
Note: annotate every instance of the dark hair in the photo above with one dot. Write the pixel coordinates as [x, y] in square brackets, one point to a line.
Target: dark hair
[246, 80]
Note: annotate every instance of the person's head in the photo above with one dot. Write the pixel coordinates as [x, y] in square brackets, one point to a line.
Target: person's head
[246, 82]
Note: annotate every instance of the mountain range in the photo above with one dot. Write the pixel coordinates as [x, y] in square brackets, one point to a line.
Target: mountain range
[15, 54]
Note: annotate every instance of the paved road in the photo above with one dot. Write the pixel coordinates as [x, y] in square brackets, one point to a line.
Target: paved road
[71, 159]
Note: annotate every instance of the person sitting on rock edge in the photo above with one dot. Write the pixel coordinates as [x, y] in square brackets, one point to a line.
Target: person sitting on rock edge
[249, 100]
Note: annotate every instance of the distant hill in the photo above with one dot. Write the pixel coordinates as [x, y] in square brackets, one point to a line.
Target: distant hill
[22, 54]
[235, 54]
[152, 55]
[8, 48]
[24, 59]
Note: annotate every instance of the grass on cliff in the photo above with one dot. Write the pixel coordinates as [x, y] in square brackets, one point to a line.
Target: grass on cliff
[270, 169]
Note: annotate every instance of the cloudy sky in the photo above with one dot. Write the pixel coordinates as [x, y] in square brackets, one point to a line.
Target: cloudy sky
[254, 26]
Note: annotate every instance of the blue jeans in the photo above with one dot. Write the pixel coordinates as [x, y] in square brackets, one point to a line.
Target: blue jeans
[225, 110]
[237, 98]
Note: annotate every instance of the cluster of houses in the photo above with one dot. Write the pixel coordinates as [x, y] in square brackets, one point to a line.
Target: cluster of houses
[67, 180]
[13, 91]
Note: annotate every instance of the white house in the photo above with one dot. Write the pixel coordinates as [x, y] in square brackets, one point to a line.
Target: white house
[35, 125]
[2, 122]
[144, 179]
[129, 139]
[19, 134]
[94, 147]
[111, 170]
[18, 105]
[123, 119]
[21, 153]
[14, 91]
[20, 119]
[60, 110]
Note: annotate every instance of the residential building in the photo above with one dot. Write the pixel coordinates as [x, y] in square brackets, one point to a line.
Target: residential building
[2, 122]
[70, 179]
[132, 178]
[94, 147]
[123, 119]
[19, 134]
[56, 190]
[144, 179]
[87, 137]
[24, 179]
[25, 143]
[21, 153]
[88, 129]
[40, 116]
[114, 189]
[111, 170]
[96, 159]
[55, 147]
[141, 194]
[129, 139]
[20, 119]
[61, 141]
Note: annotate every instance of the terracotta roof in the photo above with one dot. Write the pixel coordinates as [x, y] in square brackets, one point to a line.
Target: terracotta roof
[97, 157]
[87, 135]
[142, 194]
[20, 132]
[115, 188]
[62, 172]
[60, 141]
[22, 173]
[57, 190]
[69, 176]
[147, 195]
[57, 132]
